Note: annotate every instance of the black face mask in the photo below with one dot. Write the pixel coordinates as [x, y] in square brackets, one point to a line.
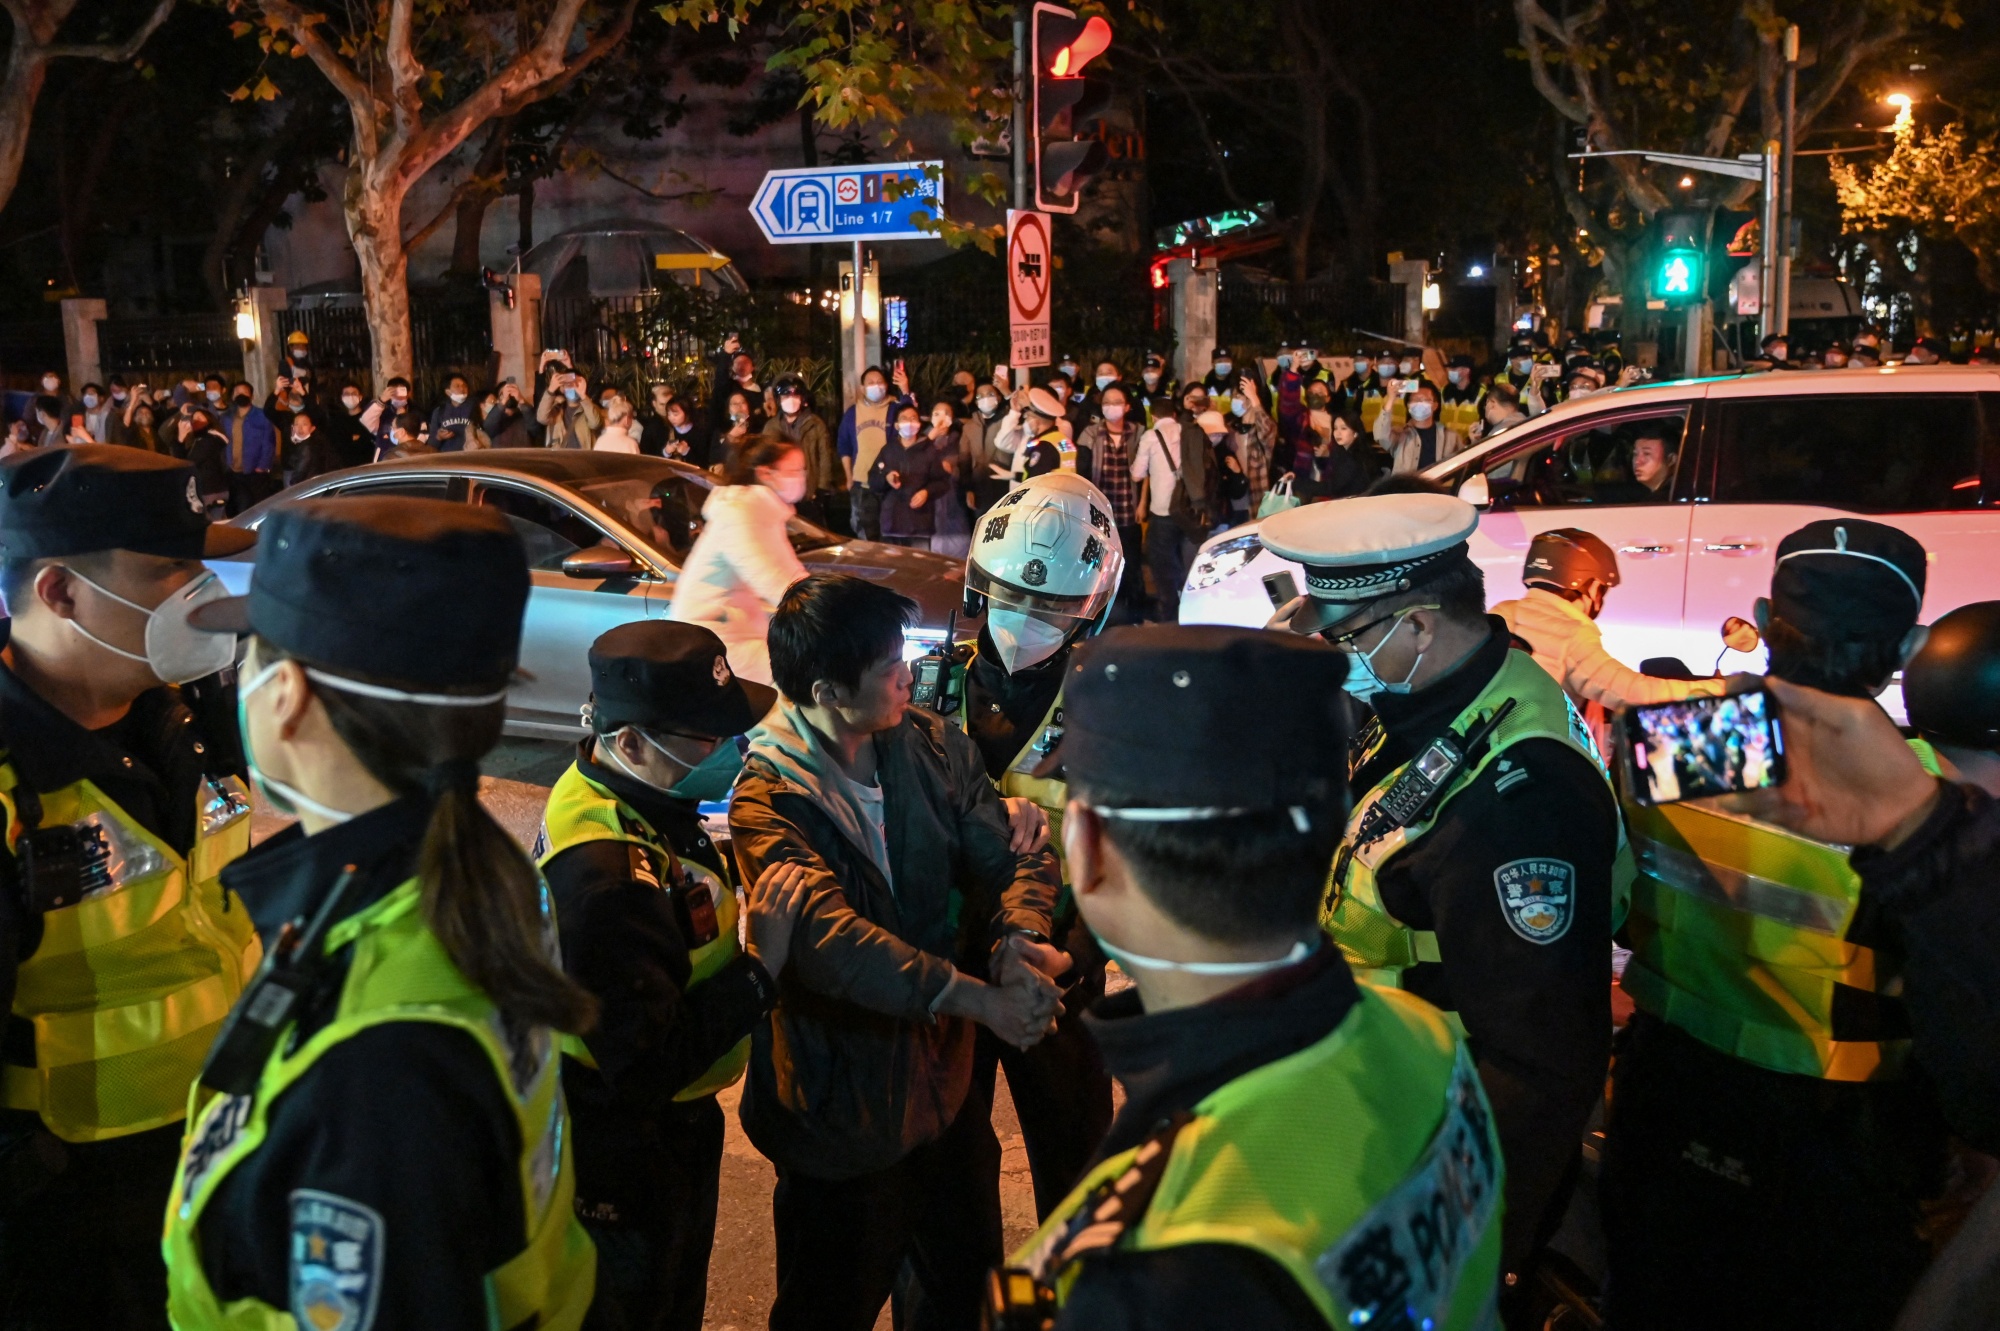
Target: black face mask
[242, 402]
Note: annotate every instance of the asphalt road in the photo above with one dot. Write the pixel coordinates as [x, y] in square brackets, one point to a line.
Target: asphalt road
[514, 787]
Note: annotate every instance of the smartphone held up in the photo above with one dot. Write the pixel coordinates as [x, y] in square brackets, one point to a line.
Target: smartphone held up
[1704, 746]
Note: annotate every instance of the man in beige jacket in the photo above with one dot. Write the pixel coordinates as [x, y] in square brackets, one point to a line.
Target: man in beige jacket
[1423, 441]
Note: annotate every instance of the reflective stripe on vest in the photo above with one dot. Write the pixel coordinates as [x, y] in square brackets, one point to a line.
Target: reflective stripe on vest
[400, 972]
[129, 986]
[581, 810]
[1378, 945]
[1365, 1165]
[1738, 932]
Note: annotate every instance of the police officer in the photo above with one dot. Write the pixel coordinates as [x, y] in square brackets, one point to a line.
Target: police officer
[1047, 442]
[1220, 382]
[1459, 405]
[647, 907]
[381, 1138]
[1483, 865]
[1287, 1132]
[1157, 389]
[1763, 1079]
[119, 950]
[1044, 569]
[1951, 691]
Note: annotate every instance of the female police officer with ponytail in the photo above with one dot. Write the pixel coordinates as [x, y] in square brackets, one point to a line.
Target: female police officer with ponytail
[383, 1141]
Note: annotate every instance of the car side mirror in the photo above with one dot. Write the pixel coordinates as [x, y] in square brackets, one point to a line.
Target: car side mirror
[1473, 490]
[1740, 635]
[600, 561]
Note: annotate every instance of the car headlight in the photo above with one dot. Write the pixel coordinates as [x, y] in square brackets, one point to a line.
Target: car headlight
[1221, 561]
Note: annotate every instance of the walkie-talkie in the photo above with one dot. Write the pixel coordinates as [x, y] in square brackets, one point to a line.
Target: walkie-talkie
[291, 972]
[1425, 779]
[933, 683]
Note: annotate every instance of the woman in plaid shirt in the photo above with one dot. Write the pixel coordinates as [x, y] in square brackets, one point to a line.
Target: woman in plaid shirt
[1112, 439]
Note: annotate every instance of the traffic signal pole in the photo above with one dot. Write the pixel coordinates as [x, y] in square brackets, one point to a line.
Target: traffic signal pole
[1022, 129]
[1781, 289]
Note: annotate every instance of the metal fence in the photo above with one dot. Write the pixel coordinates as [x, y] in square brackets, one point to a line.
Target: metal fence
[1265, 313]
[167, 347]
[447, 337]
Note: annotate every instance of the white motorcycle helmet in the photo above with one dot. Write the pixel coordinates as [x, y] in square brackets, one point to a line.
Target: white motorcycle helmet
[1044, 567]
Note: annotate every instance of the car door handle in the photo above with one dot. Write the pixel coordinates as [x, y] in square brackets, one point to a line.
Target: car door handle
[1645, 551]
[1736, 548]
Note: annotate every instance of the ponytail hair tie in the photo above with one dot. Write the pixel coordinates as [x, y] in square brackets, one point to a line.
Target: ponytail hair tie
[454, 774]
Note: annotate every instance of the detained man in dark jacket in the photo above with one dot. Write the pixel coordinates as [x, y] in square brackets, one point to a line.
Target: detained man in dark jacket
[920, 921]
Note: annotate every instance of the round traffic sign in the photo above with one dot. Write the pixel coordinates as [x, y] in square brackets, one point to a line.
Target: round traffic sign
[1028, 262]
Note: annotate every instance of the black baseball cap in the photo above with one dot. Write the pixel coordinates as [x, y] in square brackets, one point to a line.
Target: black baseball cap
[1844, 579]
[1125, 686]
[82, 498]
[410, 591]
[665, 675]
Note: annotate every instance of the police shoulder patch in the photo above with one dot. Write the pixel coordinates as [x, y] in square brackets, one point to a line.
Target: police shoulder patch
[337, 1245]
[1538, 897]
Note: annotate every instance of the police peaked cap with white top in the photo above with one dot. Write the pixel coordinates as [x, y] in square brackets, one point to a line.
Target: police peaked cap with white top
[415, 592]
[1153, 721]
[1845, 579]
[1360, 550]
[1044, 403]
[664, 675]
[88, 497]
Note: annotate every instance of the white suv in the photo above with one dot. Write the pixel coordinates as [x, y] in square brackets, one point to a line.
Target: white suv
[1757, 456]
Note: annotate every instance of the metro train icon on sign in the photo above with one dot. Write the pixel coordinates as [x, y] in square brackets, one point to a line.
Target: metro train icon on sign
[883, 202]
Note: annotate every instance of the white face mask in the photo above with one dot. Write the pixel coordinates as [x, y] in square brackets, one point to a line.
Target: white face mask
[283, 797]
[1420, 412]
[907, 429]
[1021, 638]
[456, 398]
[791, 489]
[90, 399]
[352, 401]
[1221, 367]
[215, 395]
[988, 405]
[50, 383]
[1104, 381]
[1457, 378]
[1114, 412]
[873, 392]
[1386, 371]
[1152, 379]
[176, 651]
[790, 405]
[1409, 367]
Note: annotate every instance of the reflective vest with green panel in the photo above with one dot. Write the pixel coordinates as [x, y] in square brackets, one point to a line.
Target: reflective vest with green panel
[1739, 937]
[1019, 781]
[581, 810]
[1365, 1166]
[1378, 945]
[400, 972]
[130, 983]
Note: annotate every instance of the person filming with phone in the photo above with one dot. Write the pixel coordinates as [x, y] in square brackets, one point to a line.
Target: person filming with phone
[1764, 1077]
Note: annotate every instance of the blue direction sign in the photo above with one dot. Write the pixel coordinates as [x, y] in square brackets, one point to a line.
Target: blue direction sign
[884, 201]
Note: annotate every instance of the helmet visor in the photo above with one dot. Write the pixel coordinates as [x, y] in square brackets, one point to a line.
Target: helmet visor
[1062, 610]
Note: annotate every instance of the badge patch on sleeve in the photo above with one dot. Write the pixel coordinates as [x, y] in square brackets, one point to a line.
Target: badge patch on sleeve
[336, 1262]
[1538, 897]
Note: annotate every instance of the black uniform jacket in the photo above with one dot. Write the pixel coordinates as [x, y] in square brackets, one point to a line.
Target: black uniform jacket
[1002, 711]
[623, 941]
[405, 1122]
[1168, 1064]
[1538, 1014]
[151, 764]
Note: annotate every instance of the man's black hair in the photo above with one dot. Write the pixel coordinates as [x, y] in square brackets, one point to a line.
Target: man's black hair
[834, 626]
[399, 382]
[49, 405]
[1236, 880]
[1506, 393]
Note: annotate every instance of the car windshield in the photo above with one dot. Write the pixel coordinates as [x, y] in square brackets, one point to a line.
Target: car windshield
[675, 520]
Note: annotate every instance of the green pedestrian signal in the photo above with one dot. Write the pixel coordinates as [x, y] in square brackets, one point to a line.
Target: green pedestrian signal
[1680, 277]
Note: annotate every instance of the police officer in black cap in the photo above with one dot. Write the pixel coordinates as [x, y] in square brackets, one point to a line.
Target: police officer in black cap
[1157, 389]
[122, 800]
[381, 1138]
[1765, 1128]
[1287, 1133]
[647, 906]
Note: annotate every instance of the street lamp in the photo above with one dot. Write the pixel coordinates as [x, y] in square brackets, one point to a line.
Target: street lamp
[1433, 298]
[246, 323]
[1902, 101]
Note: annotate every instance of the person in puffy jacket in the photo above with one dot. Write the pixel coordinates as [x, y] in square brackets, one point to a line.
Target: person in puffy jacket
[911, 477]
[743, 562]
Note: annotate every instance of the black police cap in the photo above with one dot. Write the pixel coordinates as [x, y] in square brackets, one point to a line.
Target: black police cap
[1951, 688]
[1847, 579]
[407, 591]
[1153, 716]
[82, 498]
[665, 675]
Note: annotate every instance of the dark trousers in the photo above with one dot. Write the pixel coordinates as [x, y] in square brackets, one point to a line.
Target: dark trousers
[1132, 602]
[841, 1242]
[654, 1277]
[864, 509]
[1737, 1197]
[1167, 555]
[81, 1249]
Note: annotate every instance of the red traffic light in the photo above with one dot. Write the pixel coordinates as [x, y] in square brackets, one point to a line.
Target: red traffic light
[1092, 42]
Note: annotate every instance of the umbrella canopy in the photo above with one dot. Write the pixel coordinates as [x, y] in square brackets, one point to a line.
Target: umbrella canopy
[624, 257]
